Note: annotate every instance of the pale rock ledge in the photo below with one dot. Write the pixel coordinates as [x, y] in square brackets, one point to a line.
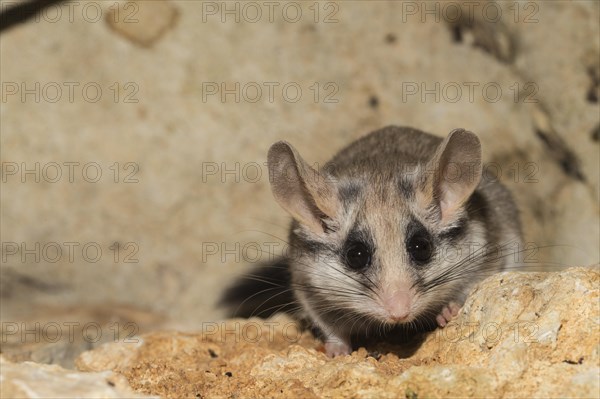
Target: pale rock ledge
[519, 334]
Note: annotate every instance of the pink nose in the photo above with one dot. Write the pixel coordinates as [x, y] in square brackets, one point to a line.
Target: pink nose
[398, 305]
[399, 317]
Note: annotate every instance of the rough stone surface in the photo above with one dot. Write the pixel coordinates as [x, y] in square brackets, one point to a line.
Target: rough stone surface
[518, 335]
[63, 333]
[142, 22]
[34, 380]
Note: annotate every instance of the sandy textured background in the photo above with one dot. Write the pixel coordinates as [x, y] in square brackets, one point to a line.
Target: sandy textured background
[166, 132]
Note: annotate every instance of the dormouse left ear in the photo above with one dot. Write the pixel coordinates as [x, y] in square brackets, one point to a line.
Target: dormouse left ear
[452, 174]
[306, 194]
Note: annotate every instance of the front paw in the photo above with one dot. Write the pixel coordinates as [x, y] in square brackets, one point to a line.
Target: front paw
[447, 313]
[337, 348]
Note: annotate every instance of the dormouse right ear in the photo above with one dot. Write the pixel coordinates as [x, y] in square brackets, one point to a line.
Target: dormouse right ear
[452, 174]
[302, 191]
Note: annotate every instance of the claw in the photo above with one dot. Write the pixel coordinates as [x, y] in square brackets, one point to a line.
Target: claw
[447, 313]
[337, 348]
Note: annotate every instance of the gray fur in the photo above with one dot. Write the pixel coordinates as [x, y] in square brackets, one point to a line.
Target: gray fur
[377, 189]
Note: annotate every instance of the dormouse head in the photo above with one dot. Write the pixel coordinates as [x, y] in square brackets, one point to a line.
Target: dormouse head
[373, 240]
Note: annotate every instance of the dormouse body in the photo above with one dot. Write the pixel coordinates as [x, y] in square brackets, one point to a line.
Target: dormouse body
[394, 230]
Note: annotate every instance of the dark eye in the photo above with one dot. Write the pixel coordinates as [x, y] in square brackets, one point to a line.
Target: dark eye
[358, 255]
[420, 247]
